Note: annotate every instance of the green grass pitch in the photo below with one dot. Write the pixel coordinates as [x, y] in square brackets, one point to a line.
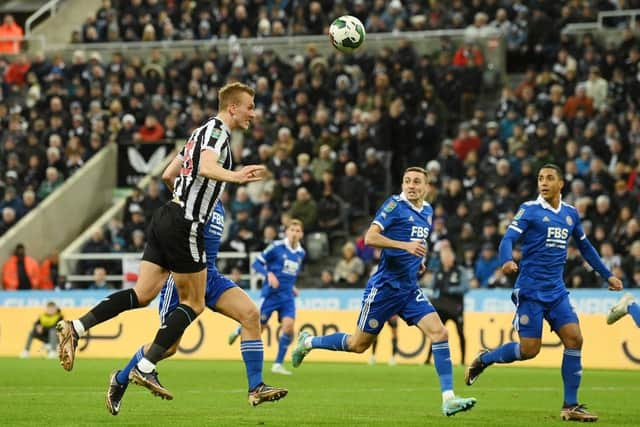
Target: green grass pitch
[38, 392]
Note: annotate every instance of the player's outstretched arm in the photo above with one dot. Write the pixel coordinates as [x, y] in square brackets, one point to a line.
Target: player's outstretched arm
[374, 238]
[209, 168]
[590, 255]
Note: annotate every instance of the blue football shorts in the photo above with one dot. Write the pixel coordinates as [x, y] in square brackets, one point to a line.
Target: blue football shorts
[284, 305]
[217, 284]
[380, 304]
[530, 314]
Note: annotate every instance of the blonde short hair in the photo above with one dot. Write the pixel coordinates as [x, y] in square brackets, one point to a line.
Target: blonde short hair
[230, 94]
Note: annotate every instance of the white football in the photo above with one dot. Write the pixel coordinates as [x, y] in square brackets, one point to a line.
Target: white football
[346, 33]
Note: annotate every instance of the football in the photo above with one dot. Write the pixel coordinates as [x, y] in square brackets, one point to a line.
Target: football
[346, 33]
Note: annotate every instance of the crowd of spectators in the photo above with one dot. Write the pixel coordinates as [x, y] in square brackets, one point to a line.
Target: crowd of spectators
[532, 29]
[327, 128]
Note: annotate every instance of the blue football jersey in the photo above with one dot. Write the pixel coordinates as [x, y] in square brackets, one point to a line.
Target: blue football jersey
[402, 221]
[213, 234]
[285, 262]
[544, 233]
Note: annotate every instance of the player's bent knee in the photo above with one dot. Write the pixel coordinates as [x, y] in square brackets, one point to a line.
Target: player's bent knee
[574, 342]
[196, 306]
[440, 335]
[359, 347]
[250, 318]
[144, 297]
[529, 352]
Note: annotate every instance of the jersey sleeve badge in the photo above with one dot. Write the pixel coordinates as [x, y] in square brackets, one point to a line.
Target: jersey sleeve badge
[390, 206]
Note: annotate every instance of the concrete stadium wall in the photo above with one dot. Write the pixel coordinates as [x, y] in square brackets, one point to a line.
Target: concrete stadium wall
[68, 211]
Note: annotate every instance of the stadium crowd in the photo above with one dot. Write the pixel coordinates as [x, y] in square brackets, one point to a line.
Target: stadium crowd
[327, 126]
[532, 29]
[150, 20]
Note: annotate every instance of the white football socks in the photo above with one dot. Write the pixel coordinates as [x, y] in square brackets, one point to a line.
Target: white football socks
[145, 366]
[446, 395]
[78, 326]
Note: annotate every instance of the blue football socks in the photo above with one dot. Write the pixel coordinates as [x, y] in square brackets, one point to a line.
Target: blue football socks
[283, 345]
[442, 359]
[571, 375]
[634, 312]
[335, 342]
[253, 357]
[123, 375]
[506, 353]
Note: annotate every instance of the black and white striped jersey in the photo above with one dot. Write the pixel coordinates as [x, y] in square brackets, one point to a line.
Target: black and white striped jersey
[197, 194]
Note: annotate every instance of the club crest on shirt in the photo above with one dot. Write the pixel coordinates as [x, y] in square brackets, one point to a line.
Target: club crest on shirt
[429, 219]
[569, 220]
[519, 214]
[390, 206]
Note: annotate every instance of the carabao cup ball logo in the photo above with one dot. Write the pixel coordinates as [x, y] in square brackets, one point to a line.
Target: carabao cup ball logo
[346, 33]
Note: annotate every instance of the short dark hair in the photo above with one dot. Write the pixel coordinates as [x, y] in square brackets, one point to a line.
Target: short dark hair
[416, 169]
[552, 166]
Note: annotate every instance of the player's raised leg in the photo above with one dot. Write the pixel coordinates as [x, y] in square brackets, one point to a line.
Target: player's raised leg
[506, 353]
[359, 342]
[191, 292]
[528, 322]
[626, 305]
[374, 312]
[151, 279]
[236, 304]
[119, 381]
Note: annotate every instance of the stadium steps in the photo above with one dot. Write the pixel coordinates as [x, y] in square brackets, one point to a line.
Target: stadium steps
[64, 214]
[57, 29]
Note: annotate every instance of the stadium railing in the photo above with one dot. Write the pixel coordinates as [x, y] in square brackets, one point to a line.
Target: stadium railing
[130, 270]
[113, 210]
[630, 18]
[50, 7]
[600, 28]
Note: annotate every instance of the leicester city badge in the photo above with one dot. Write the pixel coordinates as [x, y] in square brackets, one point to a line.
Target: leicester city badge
[569, 220]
